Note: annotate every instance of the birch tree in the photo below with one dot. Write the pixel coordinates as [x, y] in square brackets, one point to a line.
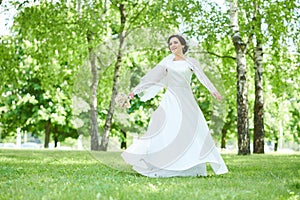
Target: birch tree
[258, 138]
[274, 16]
[242, 90]
[122, 34]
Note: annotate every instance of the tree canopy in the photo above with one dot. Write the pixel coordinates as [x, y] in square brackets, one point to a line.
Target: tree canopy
[44, 63]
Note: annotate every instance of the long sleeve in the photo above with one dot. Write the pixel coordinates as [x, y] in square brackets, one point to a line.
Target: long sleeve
[152, 82]
[195, 66]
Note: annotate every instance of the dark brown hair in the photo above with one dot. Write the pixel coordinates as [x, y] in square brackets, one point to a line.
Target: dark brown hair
[182, 42]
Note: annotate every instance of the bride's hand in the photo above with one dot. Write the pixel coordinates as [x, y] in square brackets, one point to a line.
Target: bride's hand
[217, 95]
[131, 95]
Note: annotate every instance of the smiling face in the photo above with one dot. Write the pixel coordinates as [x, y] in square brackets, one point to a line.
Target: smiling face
[175, 46]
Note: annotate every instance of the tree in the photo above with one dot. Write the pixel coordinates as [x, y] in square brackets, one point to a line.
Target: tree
[211, 30]
[11, 55]
[47, 57]
[91, 17]
[258, 139]
[121, 36]
[242, 90]
[266, 14]
[66, 35]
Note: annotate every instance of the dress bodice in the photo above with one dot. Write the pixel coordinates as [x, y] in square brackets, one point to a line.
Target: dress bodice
[169, 73]
[179, 74]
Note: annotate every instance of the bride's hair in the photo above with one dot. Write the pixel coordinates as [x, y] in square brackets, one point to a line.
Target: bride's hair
[182, 42]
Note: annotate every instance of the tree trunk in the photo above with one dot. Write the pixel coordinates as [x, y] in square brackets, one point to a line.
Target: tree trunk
[242, 91]
[109, 116]
[47, 133]
[230, 119]
[223, 140]
[93, 103]
[276, 144]
[242, 100]
[242, 103]
[258, 140]
[55, 141]
[123, 142]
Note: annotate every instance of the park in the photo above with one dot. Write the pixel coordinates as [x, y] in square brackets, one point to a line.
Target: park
[83, 83]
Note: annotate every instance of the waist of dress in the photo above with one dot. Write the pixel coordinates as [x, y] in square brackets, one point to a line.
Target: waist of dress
[179, 86]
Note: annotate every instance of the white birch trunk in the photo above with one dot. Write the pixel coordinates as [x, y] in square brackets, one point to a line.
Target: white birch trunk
[242, 90]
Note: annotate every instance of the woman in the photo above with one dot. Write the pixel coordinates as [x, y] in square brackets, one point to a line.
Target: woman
[177, 141]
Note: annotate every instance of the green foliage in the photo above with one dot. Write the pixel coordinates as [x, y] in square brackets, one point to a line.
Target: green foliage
[44, 61]
[48, 56]
[294, 123]
[80, 175]
[37, 106]
[11, 53]
[277, 33]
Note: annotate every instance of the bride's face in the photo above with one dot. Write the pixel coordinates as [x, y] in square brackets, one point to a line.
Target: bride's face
[175, 46]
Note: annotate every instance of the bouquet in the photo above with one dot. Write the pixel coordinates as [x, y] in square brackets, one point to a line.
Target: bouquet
[122, 100]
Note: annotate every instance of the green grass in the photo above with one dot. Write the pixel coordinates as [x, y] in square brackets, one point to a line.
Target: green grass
[46, 174]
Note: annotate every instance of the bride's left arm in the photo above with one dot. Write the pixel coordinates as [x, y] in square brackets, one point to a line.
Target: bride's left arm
[195, 66]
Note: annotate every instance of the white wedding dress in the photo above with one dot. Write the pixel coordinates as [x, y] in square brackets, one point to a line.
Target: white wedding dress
[177, 141]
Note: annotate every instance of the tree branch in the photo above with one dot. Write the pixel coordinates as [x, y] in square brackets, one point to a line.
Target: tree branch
[214, 54]
[141, 25]
[249, 39]
[100, 61]
[136, 16]
[250, 54]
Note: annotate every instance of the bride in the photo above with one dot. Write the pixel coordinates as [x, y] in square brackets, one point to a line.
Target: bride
[177, 141]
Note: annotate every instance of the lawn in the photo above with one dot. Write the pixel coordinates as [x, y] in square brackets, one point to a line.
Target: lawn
[51, 174]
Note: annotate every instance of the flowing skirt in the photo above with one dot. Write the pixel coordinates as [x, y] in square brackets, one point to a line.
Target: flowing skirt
[177, 141]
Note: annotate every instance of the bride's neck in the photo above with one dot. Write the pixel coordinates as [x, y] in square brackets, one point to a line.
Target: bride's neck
[179, 57]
